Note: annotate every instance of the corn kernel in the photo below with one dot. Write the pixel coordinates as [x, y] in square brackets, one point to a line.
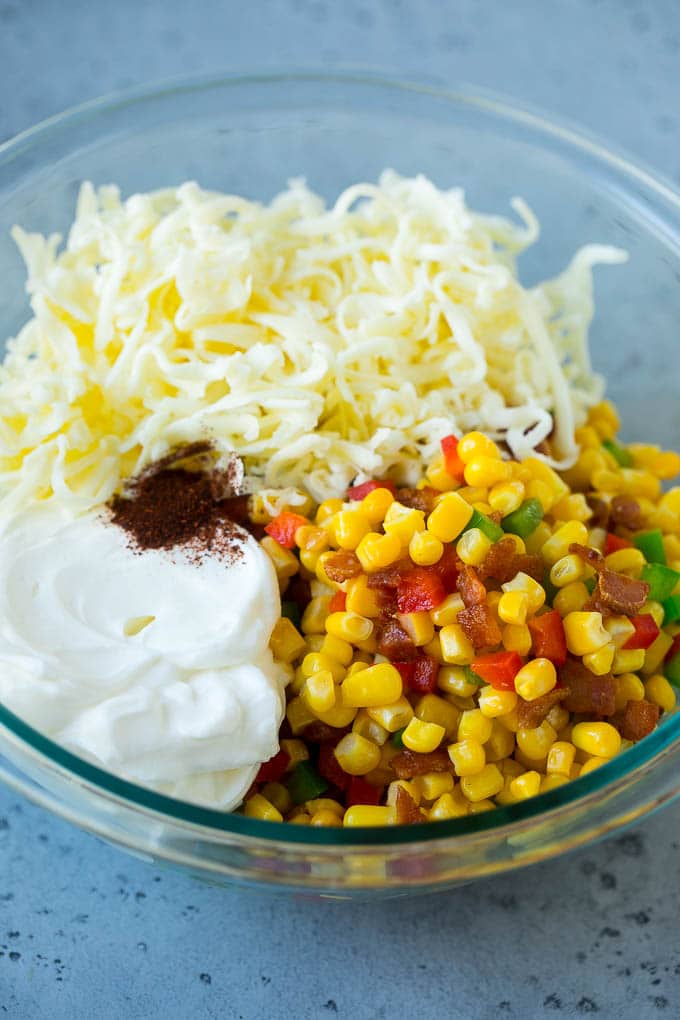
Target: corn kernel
[258, 806]
[296, 750]
[418, 626]
[552, 781]
[597, 538]
[349, 527]
[513, 607]
[433, 648]
[473, 724]
[538, 537]
[453, 680]
[377, 685]
[629, 687]
[324, 804]
[567, 570]
[456, 647]
[449, 805]
[600, 662]
[300, 818]
[408, 786]
[571, 599]
[349, 627]
[558, 717]
[433, 784]
[596, 738]
[493, 703]
[447, 611]
[375, 552]
[482, 785]
[526, 785]
[451, 514]
[318, 692]
[561, 757]
[311, 538]
[336, 648]
[278, 795]
[656, 653]
[432, 708]
[619, 628]
[392, 717]
[626, 561]
[403, 522]
[660, 692]
[533, 590]
[320, 569]
[356, 755]
[339, 715]
[535, 743]
[286, 642]
[473, 494]
[367, 727]
[501, 743]
[375, 505]
[325, 819]
[487, 471]
[422, 736]
[516, 638]
[473, 546]
[572, 508]
[476, 444]
[327, 509]
[506, 497]
[655, 610]
[286, 563]
[592, 763]
[316, 661]
[584, 632]
[510, 722]
[629, 660]
[361, 599]
[537, 489]
[535, 679]
[558, 544]
[367, 815]
[425, 548]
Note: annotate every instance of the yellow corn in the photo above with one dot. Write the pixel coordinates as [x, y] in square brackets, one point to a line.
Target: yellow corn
[474, 725]
[537, 489]
[473, 494]
[327, 509]
[311, 538]
[316, 661]
[535, 679]
[476, 444]
[640, 483]
[567, 570]
[286, 642]
[433, 648]
[619, 629]
[451, 514]
[597, 538]
[361, 599]
[505, 497]
[336, 648]
[571, 599]
[319, 691]
[516, 638]
[438, 477]
[357, 666]
[487, 471]
[285, 562]
[447, 611]
[314, 617]
[456, 648]
[432, 708]
[629, 660]
[348, 528]
[592, 763]
[660, 692]
[375, 552]
[526, 785]
[533, 590]
[349, 626]
[367, 727]
[258, 806]
[392, 717]
[501, 743]
[626, 561]
[433, 784]
[510, 768]
[375, 505]
[422, 736]
[572, 508]
[629, 687]
[535, 541]
[558, 544]
[418, 626]
[325, 818]
[656, 653]
[403, 522]
[510, 722]
[406, 785]
[655, 610]
[513, 607]
[561, 757]
[296, 750]
[367, 815]
[277, 794]
[453, 680]
[482, 785]
[596, 738]
[558, 717]
[536, 743]
[493, 703]
[425, 548]
[324, 804]
[472, 547]
[356, 755]
[340, 715]
[601, 661]
[584, 632]
[552, 781]
[301, 818]
[377, 685]
[449, 805]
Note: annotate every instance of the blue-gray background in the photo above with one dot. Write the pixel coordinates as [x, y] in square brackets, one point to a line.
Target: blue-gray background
[86, 932]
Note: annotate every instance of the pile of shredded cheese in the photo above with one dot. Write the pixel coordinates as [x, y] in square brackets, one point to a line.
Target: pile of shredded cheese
[319, 343]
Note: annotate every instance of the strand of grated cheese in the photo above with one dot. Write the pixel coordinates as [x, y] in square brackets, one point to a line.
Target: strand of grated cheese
[319, 343]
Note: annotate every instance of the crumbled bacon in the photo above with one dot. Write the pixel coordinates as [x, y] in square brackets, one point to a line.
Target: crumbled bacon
[318, 732]
[587, 693]
[447, 568]
[531, 564]
[592, 556]
[418, 499]
[394, 643]
[470, 587]
[342, 565]
[531, 714]
[407, 811]
[480, 626]
[639, 719]
[411, 763]
[390, 576]
[499, 561]
[615, 593]
[626, 513]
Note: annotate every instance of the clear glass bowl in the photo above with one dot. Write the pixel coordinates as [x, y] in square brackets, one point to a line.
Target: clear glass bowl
[249, 135]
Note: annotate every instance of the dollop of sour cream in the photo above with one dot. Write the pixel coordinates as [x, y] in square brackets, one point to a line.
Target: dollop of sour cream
[153, 664]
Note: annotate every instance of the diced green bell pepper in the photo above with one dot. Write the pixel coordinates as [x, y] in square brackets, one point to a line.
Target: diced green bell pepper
[620, 454]
[291, 611]
[671, 670]
[525, 519]
[472, 677]
[396, 737]
[305, 783]
[485, 525]
[650, 544]
[661, 580]
[671, 609]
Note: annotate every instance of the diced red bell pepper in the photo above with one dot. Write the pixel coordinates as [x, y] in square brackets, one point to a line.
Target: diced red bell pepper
[498, 669]
[646, 632]
[419, 590]
[338, 602]
[328, 766]
[356, 492]
[272, 770]
[284, 526]
[407, 672]
[359, 791]
[548, 637]
[419, 675]
[452, 462]
[447, 568]
[613, 543]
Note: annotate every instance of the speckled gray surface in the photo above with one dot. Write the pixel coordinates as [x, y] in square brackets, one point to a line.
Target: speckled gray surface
[87, 932]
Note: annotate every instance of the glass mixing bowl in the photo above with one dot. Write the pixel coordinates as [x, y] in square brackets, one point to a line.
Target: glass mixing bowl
[249, 135]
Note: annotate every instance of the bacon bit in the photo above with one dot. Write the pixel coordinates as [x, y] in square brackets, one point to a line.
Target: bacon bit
[531, 714]
[626, 513]
[600, 518]
[587, 693]
[272, 770]
[531, 564]
[318, 732]
[480, 626]
[592, 556]
[499, 561]
[394, 643]
[406, 810]
[329, 767]
[447, 568]
[411, 763]
[470, 587]
[639, 719]
[390, 576]
[615, 593]
[424, 677]
[342, 565]
[417, 499]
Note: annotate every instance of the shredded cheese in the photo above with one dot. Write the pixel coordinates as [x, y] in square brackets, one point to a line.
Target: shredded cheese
[320, 344]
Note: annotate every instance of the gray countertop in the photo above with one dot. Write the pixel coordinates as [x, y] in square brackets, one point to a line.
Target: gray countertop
[86, 931]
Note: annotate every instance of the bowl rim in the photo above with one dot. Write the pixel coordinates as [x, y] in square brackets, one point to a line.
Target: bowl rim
[609, 776]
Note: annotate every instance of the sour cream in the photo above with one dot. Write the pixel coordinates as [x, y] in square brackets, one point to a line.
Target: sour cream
[153, 664]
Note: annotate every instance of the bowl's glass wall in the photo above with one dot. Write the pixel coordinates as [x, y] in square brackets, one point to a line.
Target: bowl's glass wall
[250, 137]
